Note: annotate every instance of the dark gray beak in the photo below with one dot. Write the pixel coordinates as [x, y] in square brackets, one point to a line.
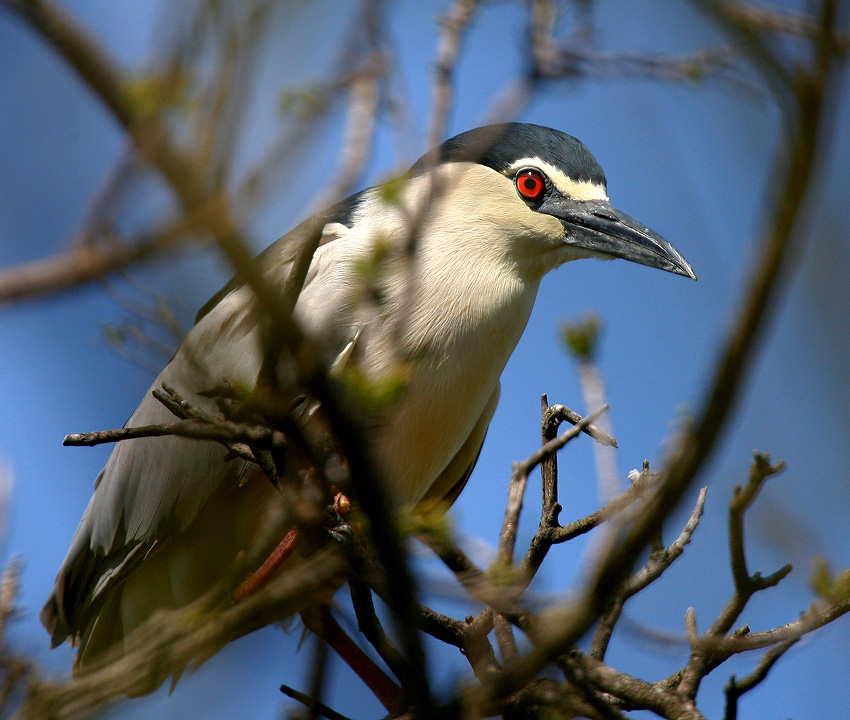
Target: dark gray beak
[597, 225]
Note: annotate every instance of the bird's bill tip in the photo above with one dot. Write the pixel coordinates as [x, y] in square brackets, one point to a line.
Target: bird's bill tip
[598, 226]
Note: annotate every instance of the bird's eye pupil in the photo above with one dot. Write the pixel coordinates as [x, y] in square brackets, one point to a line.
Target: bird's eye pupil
[530, 184]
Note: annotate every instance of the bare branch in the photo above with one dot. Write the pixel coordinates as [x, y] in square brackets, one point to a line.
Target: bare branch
[454, 23]
[617, 505]
[703, 658]
[760, 470]
[549, 533]
[697, 442]
[658, 562]
[816, 617]
[169, 641]
[638, 693]
[16, 672]
[308, 702]
[516, 492]
[532, 461]
[562, 413]
[220, 430]
[736, 688]
[79, 264]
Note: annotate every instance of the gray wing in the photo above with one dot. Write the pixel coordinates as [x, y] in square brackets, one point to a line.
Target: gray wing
[153, 488]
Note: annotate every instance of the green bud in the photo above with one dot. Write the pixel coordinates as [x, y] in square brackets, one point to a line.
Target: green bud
[581, 337]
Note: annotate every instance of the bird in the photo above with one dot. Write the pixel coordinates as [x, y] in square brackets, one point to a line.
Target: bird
[435, 274]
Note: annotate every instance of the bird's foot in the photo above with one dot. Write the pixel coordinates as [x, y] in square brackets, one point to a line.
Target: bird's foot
[285, 548]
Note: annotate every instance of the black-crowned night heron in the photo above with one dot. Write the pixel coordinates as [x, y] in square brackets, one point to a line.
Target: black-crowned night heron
[510, 203]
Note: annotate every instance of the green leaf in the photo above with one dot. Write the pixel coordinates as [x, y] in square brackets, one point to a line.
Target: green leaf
[391, 189]
[154, 93]
[581, 337]
[826, 585]
[434, 522]
[375, 394]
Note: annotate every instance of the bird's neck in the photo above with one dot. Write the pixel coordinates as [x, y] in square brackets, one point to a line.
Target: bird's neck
[460, 287]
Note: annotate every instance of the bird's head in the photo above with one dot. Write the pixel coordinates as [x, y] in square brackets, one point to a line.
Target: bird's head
[536, 181]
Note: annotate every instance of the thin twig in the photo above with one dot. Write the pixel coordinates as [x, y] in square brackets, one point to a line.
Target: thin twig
[746, 585]
[369, 624]
[636, 692]
[220, 430]
[658, 562]
[170, 641]
[532, 461]
[812, 91]
[453, 26]
[549, 533]
[309, 702]
[735, 688]
[563, 413]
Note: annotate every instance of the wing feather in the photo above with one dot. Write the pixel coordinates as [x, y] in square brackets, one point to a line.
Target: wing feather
[153, 488]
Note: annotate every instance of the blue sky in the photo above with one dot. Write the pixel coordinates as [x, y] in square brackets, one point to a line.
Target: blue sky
[691, 161]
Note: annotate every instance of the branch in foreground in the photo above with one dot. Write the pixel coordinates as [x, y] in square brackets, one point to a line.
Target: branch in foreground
[702, 658]
[659, 560]
[812, 92]
[736, 688]
[174, 640]
[317, 708]
[16, 672]
[196, 429]
[77, 265]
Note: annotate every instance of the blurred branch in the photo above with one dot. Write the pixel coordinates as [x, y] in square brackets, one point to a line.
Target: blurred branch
[16, 672]
[180, 638]
[812, 91]
[760, 18]
[659, 560]
[697, 66]
[736, 688]
[453, 26]
[150, 335]
[592, 689]
[307, 701]
[150, 137]
[369, 624]
[80, 264]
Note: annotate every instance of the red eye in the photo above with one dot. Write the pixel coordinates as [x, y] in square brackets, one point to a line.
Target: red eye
[530, 184]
